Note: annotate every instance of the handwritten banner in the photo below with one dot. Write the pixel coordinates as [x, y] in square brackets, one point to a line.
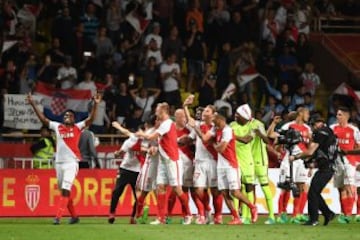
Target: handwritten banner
[19, 114]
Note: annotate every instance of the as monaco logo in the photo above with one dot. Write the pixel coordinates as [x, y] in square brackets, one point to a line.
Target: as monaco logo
[32, 191]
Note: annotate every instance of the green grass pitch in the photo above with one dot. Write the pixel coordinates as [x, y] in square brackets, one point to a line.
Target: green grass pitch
[97, 228]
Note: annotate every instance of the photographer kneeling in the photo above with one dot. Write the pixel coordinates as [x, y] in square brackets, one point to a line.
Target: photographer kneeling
[321, 154]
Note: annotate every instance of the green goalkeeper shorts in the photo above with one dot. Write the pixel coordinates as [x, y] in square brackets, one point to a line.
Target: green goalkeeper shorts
[261, 173]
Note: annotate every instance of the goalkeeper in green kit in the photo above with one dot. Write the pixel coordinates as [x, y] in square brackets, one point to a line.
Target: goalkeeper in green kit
[261, 160]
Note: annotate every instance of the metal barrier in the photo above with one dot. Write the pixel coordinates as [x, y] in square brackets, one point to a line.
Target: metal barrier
[341, 24]
[107, 161]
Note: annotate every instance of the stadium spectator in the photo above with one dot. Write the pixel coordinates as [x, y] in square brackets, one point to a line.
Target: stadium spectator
[270, 27]
[144, 98]
[101, 121]
[173, 43]
[10, 79]
[303, 17]
[304, 50]
[163, 12]
[310, 79]
[103, 44]
[67, 74]
[88, 83]
[47, 72]
[90, 22]
[194, 15]
[123, 104]
[155, 34]
[63, 29]
[196, 53]
[350, 8]
[223, 69]
[150, 75]
[208, 86]
[288, 65]
[236, 30]
[171, 77]
[56, 53]
[217, 19]
[152, 50]
[113, 20]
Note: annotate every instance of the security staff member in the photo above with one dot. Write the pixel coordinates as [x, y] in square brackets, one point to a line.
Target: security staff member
[43, 150]
[321, 153]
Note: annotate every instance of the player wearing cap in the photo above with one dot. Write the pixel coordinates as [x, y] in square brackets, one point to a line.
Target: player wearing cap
[228, 169]
[344, 179]
[243, 134]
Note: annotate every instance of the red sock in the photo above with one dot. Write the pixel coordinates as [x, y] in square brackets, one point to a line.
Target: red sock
[218, 202]
[348, 205]
[281, 203]
[71, 208]
[161, 204]
[358, 205]
[140, 206]
[303, 200]
[286, 200]
[207, 201]
[198, 203]
[296, 206]
[171, 202]
[63, 202]
[342, 205]
[234, 213]
[184, 199]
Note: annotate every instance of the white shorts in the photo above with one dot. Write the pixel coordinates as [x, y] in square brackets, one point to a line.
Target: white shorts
[357, 179]
[147, 177]
[66, 173]
[169, 172]
[205, 173]
[228, 178]
[299, 172]
[188, 170]
[344, 174]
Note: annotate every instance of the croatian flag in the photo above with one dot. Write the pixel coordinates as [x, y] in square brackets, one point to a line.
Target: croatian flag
[56, 101]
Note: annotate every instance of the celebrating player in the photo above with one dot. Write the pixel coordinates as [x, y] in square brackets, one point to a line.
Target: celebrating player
[228, 169]
[299, 173]
[67, 153]
[169, 170]
[205, 164]
[243, 134]
[344, 179]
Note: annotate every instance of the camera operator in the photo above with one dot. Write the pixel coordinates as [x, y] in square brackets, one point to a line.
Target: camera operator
[322, 153]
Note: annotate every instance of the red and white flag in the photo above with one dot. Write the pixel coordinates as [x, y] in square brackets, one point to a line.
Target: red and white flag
[344, 89]
[247, 75]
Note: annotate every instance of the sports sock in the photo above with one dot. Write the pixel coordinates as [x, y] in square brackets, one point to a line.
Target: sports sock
[296, 206]
[218, 202]
[171, 202]
[342, 205]
[161, 204]
[348, 205]
[198, 203]
[140, 206]
[281, 202]
[358, 205]
[71, 208]
[234, 213]
[269, 201]
[184, 199]
[286, 201]
[303, 200]
[245, 213]
[63, 202]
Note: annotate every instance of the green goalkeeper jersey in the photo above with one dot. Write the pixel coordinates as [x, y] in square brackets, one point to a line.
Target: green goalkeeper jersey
[259, 151]
[243, 150]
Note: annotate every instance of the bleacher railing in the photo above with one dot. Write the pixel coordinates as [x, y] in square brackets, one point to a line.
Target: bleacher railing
[343, 24]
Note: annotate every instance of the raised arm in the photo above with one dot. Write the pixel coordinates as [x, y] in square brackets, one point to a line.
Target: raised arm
[97, 100]
[38, 113]
[123, 130]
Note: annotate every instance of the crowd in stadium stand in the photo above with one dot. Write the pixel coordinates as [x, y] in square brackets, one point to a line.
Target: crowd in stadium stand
[142, 52]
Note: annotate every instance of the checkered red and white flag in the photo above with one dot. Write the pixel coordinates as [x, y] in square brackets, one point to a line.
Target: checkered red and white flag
[58, 104]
